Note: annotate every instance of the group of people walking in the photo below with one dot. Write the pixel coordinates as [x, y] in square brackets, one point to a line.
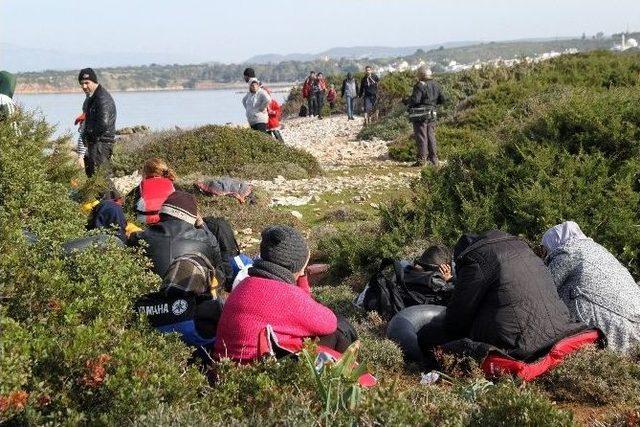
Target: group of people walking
[315, 89]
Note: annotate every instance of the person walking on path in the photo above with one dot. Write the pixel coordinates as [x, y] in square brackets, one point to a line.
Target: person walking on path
[369, 93]
[318, 91]
[99, 131]
[255, 104]
[349, 92]
[332, 95]
[425, 98]
[307, 93]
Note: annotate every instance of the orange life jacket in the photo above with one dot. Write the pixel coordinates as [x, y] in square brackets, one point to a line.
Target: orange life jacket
[153, 192]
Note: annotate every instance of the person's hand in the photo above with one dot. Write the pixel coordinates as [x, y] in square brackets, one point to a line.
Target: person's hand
[445, 270]
[199, 221]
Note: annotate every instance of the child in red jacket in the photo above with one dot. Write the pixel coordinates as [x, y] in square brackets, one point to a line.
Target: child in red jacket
[277, 294]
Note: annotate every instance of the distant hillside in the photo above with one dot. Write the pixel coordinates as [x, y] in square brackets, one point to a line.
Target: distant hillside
[355, 52]
[211, 75]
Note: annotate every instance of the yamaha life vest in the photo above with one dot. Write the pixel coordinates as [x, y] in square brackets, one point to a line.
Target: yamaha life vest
[153, 192]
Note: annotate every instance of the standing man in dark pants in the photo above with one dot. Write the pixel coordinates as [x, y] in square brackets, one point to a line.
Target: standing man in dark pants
[99, 131]
[306, 93]
[369, 93]
[424, 100]
[318, 90]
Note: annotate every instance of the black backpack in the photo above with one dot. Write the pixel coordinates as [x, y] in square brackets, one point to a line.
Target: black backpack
[386, 292]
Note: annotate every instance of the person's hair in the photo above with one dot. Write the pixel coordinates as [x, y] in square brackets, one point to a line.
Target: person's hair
[368, 66]
[434, 256]
[423, 73]
[157, 167]
[312, 72]
[320, 74]
[249, 72]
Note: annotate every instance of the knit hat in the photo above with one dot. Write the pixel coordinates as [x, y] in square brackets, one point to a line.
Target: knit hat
[284, 246]
[181, 205]
[253, 80]
[88, 74]
[249, 72]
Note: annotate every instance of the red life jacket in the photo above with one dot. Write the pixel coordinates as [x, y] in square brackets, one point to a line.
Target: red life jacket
[274, 111]
[153, 192]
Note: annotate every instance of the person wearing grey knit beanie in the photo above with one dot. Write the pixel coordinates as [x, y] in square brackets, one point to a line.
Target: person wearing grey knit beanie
[284, 254]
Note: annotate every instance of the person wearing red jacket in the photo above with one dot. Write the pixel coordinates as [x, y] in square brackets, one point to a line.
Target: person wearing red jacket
[306, 93]
[276, 295]
[332, 95]
[156, 186]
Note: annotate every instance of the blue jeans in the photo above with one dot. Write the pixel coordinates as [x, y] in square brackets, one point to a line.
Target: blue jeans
[350, 106]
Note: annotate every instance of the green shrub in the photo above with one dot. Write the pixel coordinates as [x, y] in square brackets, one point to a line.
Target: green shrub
[220, 150]
[595, 377]
[506, 405]
[74, 354]
[388, 128]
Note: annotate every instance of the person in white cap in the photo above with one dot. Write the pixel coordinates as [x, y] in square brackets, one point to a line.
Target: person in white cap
[255, 104]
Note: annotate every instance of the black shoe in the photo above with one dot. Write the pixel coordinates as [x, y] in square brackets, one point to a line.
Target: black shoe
[418, 164]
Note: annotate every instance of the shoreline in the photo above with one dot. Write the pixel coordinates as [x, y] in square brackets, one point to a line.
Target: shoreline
[280, 87]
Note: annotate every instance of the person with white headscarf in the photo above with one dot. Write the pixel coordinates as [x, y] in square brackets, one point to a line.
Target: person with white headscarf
[596, 287]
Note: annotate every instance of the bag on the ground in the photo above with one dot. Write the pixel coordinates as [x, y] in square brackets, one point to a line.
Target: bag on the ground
[226, 186]
[383, 293]
[387, 292]
[304, 111]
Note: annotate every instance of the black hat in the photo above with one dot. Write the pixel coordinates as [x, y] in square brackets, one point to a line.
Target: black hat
[181, 205]
[284, 246]
[249, 72]
[88, 74]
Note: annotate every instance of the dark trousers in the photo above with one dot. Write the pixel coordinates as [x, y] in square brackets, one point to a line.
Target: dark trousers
[319, 103]
[425, 133]
[342, 338]
[261, 127]
[98, 156]
[311, 103]
[277, 135]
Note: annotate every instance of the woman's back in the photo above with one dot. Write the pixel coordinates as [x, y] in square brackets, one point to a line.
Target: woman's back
[583, 268]
[598, 290]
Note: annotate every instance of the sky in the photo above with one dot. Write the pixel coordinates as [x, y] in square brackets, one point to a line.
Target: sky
[233, 31]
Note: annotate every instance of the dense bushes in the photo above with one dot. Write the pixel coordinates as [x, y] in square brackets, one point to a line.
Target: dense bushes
[539, 145]
[70, 348]
[220, 150]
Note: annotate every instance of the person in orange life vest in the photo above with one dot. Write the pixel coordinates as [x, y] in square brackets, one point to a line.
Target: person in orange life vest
[156, 186]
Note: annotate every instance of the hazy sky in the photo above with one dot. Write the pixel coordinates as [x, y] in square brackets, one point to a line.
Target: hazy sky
[235, 30]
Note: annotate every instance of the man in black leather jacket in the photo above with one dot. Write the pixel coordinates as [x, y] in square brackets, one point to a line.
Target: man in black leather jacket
[504, 299]
[426, 96]
[100, 125]
[177, 234]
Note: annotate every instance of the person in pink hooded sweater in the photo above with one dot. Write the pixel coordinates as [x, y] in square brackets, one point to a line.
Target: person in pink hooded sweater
[277, 294]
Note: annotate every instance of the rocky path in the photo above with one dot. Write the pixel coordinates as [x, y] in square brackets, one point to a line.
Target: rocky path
[357, 169]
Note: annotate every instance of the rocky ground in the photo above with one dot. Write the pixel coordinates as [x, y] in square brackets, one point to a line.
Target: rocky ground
[356, 169]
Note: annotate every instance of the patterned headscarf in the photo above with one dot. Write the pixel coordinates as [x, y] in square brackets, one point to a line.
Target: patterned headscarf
[562, 234]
